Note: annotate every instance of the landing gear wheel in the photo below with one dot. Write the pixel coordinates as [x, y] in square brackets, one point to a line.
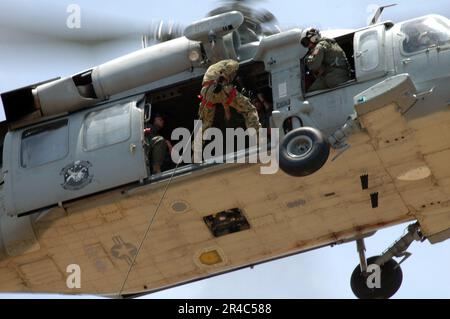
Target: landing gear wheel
[391, 280]
[303, 151]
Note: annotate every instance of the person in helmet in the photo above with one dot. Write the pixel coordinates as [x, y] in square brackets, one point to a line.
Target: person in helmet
[217, 88]
[326, 60]
[416, 40]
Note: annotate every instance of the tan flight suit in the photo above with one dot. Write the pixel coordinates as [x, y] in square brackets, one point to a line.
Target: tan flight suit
[329, 64]
[228, 96]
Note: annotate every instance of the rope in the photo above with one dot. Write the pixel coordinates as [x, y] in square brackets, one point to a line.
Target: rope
[154, 215]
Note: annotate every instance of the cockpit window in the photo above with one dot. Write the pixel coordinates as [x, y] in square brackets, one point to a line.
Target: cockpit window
[424, 33]
[44, 144]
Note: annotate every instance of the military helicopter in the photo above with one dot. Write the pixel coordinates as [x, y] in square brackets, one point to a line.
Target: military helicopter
[368, 154]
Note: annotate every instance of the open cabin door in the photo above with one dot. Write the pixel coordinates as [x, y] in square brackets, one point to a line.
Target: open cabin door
[370, 57]
[68, 158]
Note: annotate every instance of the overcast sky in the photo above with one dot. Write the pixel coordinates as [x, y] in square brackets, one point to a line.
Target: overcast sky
[322, 273]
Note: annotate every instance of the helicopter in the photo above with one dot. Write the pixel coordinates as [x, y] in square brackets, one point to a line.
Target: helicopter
[356, 158]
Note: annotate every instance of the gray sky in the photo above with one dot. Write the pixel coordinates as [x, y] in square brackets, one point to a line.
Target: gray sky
[322, 273]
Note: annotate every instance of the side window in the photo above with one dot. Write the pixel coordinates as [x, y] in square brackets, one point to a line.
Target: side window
[424, 33]
[106, 127]
[369, 43]
[44, 144]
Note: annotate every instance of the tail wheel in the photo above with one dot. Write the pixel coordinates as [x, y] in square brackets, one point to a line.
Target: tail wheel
[390, 281]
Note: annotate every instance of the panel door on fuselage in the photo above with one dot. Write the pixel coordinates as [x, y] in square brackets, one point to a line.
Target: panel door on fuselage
[75, 156]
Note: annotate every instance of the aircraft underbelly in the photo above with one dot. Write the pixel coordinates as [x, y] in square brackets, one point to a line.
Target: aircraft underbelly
[286, 215]
[416, 154]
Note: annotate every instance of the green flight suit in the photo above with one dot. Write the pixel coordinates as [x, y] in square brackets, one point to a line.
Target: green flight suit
[156, 146]
[329, 64]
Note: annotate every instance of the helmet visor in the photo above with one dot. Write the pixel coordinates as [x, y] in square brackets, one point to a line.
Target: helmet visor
[305, 42]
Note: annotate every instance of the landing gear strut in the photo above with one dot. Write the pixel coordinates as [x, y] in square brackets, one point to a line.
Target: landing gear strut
[380, 277]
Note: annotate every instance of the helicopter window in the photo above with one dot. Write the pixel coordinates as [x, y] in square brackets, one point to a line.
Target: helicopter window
[107, 127]
[44, 144]
[369, 43]
[425, 33]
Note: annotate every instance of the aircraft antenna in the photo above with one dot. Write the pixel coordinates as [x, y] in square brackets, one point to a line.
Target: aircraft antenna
[378, 12]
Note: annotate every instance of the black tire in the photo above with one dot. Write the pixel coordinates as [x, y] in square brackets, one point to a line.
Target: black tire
[303, 151]
[391, 280]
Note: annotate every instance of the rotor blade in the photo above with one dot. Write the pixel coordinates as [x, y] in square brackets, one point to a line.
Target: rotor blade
[265, 16]
[257, 22]
[164, 31]
[60, 23]
[161, 31]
